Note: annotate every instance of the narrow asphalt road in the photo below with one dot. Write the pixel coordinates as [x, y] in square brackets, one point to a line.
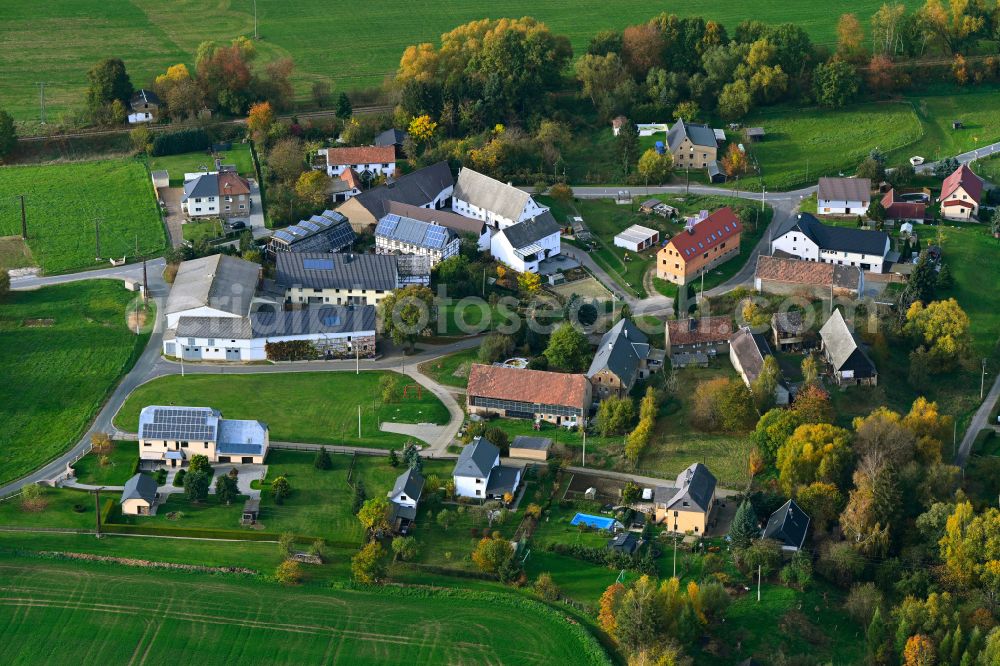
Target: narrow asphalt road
[979, 421]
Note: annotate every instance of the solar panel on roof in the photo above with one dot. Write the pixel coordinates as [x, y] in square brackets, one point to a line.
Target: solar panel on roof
[311, 226]
[284, 235]
[700, 245]
[317, 264]
[331, 320]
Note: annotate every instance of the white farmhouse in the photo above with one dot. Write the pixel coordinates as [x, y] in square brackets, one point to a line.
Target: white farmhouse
[222, 193]
[143, 107]
[213, 286]
[404, 498]
[368, 161]
[961, 193]
[523, 245]
[809, 239]
[479, 474]
[843, 196]
[499, 205]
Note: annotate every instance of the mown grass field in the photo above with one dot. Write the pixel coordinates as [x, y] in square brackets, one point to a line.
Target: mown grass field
[64, 348]
[63, 203]
[453, 369]
[150, 36]
[94, 613]
[977, 107]
[314, 407]
[117, 470]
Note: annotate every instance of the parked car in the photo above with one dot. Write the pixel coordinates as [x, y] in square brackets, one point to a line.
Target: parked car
[237, 225]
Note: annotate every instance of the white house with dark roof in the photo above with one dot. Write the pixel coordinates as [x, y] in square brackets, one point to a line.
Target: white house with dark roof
[809, 239]
[221, 193]
[843, 196]
[524, 245]
[213, 286]
[404, 498]
[336, 279]
[169, 436]
[479, 474]
[788, 526]
[686, 506]
[849, 363]
[144, 105]
[498, 204]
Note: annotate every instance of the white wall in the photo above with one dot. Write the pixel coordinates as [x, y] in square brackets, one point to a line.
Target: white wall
[203, 207]
[466, 486]
[502, 251]
[203, 311]
[798, 244]
[377, 168]
[841, 207]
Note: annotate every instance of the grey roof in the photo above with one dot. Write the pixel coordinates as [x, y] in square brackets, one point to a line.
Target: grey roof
[490, 194]
[625, 542]
[390, 137]
[205, 185]
[418, 188]
[755, 131]
[700, 135]
[503, 479]
[200, 424]
[327, 232]
[316, 270]
[140, 486]
[234, 328]
[788, 322]
[842, 347]
[241, 437]
[621, 351]
[715, 168]
[217, 281]
[844, 189]
[160, 173]
[532, 443]
[414, 232]
[457, 223]
[838, 239]
[695, 485]
[531, 231]
[751, 349]
[477, 458]
[788, 525]
[316, 320]
[401, 511]
[410, 482]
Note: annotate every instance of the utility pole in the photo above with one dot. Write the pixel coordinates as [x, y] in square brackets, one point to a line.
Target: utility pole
[255, 19]
[584, 464]
[758, 582]
[41, 100]
[687, 181]
[145, 283]
[762, 191]
[24, 221]
[357, 360]
[359, 421]
[97, 510]
[982, 381]
[675, 555]
[97, 233]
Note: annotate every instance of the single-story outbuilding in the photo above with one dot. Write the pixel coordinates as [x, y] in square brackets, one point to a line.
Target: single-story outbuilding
[139, 495]
[637, 238]
[532, 448]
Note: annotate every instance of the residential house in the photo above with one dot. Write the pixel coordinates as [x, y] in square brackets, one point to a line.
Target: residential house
[397, 234]
[806, 278]
[430, 187]
[139, 495]
[657, 207]
[221, 193]
[345, 186]
[624, 542]
[462, 226]
[621, 359]
[328, 232]
[523, 246]
[700, 247]
[479, 474]
[788, 330]
[843, 196]
[169, 436]
[692, 145]
[788, 526]
[686, 506]
[637, 238]
[559, 398]
[369, 162]
[336, 279]
[899, 210]
[961, 194]
[144, 107]
[707, 336]
[841, 349]
[394, 138]
[404, 498]
[531, 448]
[747, 352]
[214, 286]
[498, 204]
[807, 238]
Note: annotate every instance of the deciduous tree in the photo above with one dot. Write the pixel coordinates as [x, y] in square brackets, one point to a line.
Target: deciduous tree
[406, 313]
[655, 167]
[491, 554]
[312, 187]
[280, 489]
[226, 489]
[374, 514]
[568, 349]
[814, 452]
[368, 565]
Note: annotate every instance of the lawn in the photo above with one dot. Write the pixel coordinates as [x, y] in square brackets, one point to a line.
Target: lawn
[96, 613]
[65, 508]
[118, 469]
[977, 107]
[988, 169]
[453, 369]
[65, 347]
[65, 202]
[468, 319]
[14, 252]
[151, 36]
[177, 165]
[314, 407]
[207, 230]
[803, 144]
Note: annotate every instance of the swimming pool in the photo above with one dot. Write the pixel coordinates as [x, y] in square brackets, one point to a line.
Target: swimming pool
[597, 522]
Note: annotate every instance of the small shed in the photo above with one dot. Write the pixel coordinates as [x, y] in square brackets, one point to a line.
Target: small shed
[139, 495]
[957, 125]
[531, 448]
[720, 136]
[590, 493]
[658, 207]
[160, 179]
[755, 134]
[251, 511]
[637, 238]
[626, 542]
[716, 173]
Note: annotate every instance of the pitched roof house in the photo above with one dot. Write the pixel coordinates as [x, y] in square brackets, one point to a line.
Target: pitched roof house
[788, 330]
[747, 352]
[217, 194]
[843, 352]
[492, 201]
[798, 277]
[327, 232]
[139, 495]
[430, 187]
[217, 285]
[557, 397]
[700, 247]
[686, 506]
[392, 137]
[368, 161]
[533, 448]
[524, 245]
[463, 226]
[479, 474]
[788, 526]
[843, 196]
[807, 238]
[144, 105]
[707, 335]
[903, 211]
[170, 434]
[345, 279]
[620, 360]
[693, 145]
[961, 193]
[396, 234]
[404, 498]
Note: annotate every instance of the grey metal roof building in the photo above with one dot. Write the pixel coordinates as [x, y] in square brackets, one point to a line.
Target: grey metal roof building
[418, 188]
[391, 137]
[531, 443]
[477, 458]
[490, 194]
[843, 350]
[316, 320]
[140, 486]
[699, 135]
[218, 281]
[234, 328]
[457, 223]
[420, 234]
[621, 351]
[751, 349]
[837, 239]
[788, 525]
[844, 189]
[312, 270]
[241, 437]
[202, 424]
[327, 232]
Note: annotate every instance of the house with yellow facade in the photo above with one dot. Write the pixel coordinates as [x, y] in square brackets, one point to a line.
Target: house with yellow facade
[685, 507]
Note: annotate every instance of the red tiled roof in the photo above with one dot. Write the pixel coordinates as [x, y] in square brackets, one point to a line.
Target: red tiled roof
[691, 331]
[351, 177]
[713, 230]
[963, 177]
[232, 183]
[812, 273]
[958, 202]
[361, 155]
[902, 210]
[550, 388]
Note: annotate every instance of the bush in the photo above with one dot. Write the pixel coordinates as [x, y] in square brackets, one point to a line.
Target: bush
[184, 141]
[161, 476]
[179, 478]
[291, 350]
[289, 572]
[546, 588]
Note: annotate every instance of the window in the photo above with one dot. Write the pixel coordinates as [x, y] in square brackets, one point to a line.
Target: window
[478, 481]
[197, 200]
[146, 444]
[211, 199]
[184, 444]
